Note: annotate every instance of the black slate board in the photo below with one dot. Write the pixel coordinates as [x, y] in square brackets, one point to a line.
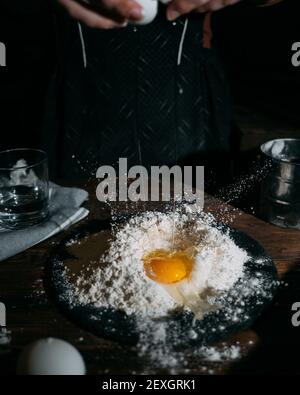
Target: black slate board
[240, 307]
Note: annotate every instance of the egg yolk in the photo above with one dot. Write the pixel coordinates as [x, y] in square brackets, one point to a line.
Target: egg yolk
[167, 268]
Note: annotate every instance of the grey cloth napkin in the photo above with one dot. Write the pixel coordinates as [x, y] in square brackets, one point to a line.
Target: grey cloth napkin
[65, 210]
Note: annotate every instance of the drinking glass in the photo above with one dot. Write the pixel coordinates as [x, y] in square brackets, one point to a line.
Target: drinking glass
[24, 188]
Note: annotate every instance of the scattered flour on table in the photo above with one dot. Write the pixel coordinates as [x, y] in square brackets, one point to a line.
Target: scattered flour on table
[160, 354]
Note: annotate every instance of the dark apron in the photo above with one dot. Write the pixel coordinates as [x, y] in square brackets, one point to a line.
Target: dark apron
[133, 100]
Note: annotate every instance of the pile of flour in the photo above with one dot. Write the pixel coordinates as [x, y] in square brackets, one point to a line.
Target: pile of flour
[121, 282]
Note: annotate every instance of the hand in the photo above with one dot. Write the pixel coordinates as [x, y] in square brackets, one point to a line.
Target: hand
[180, 7]
[103, 14]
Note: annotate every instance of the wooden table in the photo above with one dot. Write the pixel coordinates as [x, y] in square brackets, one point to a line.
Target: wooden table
[271, 346]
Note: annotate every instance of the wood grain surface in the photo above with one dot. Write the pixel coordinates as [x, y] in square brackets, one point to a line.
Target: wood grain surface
[271, 346]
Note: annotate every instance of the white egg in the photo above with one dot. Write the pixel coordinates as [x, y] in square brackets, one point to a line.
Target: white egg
[50, 356]
[150, 8]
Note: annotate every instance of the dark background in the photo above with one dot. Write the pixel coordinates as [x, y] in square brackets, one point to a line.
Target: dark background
[255, 42]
